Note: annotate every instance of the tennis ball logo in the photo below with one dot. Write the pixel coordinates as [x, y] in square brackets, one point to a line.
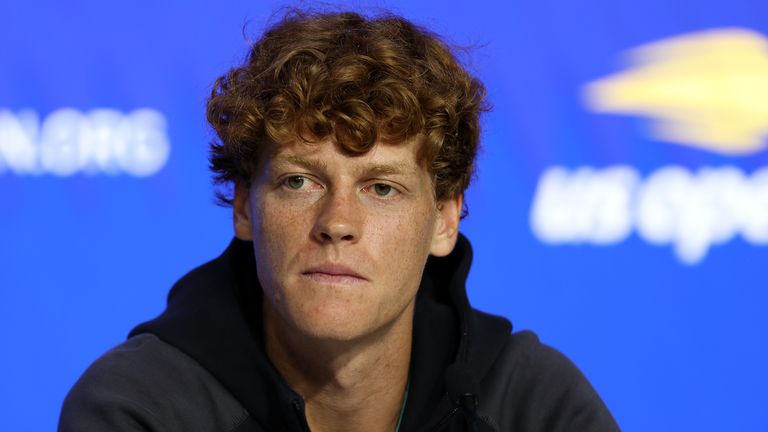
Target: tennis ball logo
[707, 90]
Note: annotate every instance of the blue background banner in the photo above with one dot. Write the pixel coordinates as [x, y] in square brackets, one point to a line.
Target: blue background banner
[620, 209]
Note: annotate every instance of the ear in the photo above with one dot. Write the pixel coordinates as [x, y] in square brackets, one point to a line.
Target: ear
[241, 212]
[447, 226]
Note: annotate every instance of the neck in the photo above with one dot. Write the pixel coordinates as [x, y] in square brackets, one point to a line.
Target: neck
[347, 385]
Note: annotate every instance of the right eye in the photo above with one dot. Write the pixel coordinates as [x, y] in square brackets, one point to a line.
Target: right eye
[300, 183]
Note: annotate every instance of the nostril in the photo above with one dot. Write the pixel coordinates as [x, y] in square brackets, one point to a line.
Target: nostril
[332, 233]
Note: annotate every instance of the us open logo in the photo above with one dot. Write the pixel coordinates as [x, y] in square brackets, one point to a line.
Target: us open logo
[707, 90]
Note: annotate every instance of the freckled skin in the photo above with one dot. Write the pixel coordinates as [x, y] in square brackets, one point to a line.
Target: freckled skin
[303, 216]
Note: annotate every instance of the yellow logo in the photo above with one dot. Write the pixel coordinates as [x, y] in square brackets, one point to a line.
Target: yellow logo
[707, 89]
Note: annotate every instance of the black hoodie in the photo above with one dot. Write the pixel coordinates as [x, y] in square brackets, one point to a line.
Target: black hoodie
[201, 365]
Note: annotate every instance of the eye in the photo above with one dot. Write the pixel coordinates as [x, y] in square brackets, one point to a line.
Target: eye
[295, 182]
[384, 190]
[300, 183]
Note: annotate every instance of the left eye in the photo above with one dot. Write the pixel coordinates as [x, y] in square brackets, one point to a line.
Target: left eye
[295, 182]
[383, 190]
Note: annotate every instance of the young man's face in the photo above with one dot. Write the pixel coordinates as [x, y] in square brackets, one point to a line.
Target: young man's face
[341, 241]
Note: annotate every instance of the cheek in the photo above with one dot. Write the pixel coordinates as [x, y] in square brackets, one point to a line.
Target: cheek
[405, 241]
[274, 222]
[275, 230]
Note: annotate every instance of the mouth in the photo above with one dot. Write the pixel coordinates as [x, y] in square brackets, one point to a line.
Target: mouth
[336, 274]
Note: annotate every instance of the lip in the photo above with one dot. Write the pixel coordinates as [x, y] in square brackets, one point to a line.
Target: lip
[333, 273]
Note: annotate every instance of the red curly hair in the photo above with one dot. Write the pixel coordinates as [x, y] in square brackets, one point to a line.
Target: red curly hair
[355, 80]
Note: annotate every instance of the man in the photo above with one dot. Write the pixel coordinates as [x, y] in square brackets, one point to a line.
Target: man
[341, 303]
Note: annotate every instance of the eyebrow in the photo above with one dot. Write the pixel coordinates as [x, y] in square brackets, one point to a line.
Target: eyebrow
[309, 164]
[391, 168]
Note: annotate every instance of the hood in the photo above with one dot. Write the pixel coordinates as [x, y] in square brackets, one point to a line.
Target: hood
[214, 316]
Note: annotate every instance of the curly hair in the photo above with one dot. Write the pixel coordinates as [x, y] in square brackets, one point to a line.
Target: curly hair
[356, 80]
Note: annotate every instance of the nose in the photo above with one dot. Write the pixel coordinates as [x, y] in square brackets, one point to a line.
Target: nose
[339, 219]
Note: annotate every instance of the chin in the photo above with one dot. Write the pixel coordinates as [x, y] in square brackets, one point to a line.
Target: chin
[335, 324]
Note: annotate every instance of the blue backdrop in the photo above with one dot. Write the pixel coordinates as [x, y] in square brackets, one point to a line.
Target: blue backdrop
[620, 211]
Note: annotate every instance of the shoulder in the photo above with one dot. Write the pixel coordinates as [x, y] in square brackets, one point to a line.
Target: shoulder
[146, 384]
[534, 387]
